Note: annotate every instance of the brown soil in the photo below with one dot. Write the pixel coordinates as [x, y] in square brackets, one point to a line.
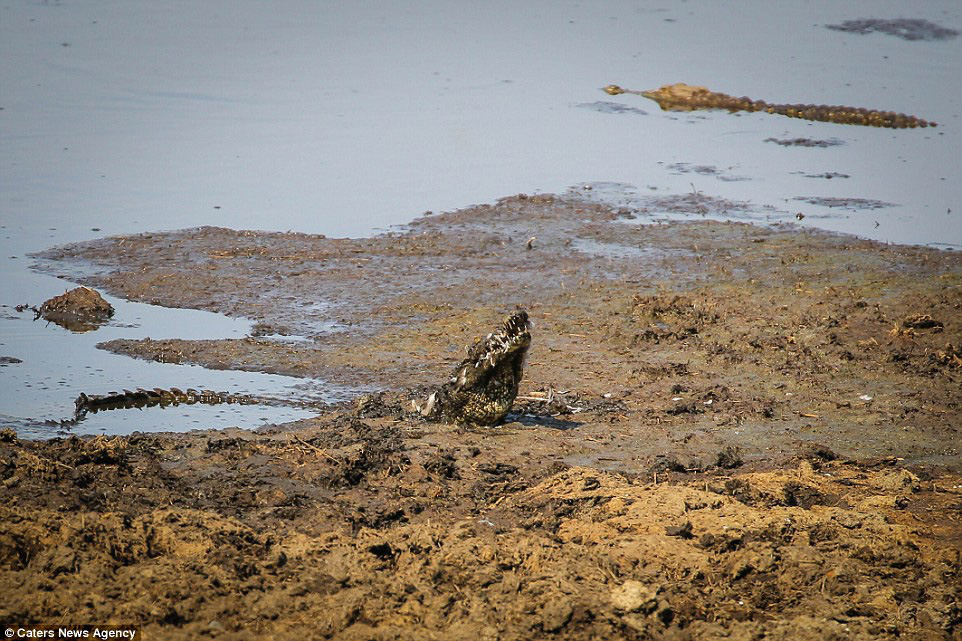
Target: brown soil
[724, 431]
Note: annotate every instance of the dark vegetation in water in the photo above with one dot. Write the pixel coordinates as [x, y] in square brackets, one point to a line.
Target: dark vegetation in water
[607, 107]
[905, 28]
[827, 175]
[705, 170]
[845, 203]
[806, 142]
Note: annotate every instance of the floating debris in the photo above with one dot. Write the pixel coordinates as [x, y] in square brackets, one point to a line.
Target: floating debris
[607, 107]
[806, 142]
[844, 203]
[828, 175]
[682, 97]
[904, 28]
[704, 170]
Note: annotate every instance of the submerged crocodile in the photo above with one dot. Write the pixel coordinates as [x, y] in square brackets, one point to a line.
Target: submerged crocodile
[485, 384]
[480, 392]
[682, 97]
[158, 396]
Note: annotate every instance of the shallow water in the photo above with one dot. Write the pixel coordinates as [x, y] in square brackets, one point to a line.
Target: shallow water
[58, 364]
[346, 118]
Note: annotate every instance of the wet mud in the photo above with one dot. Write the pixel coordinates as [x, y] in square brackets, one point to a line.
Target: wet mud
[724, 430]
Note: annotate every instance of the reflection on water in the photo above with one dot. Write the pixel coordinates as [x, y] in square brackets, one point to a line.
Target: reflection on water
[54, 365]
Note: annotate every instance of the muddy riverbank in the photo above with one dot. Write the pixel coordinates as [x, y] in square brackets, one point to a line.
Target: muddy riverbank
[723, 429]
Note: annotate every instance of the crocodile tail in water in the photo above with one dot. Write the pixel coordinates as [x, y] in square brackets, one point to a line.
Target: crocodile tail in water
[157, 396]
[485, 384]
[682, 97]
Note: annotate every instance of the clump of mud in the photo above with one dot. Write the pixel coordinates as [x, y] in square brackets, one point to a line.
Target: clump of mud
[80, 310]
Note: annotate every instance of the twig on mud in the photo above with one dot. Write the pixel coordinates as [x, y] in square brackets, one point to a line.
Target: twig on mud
[37, 461]
[549, 398]
[314, 447]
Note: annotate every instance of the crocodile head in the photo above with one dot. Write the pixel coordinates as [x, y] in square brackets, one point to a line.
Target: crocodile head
[485, 384]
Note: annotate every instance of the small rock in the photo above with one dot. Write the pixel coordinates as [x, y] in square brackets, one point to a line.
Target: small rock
[634, 596]
[847, 520]
[922, 321]
[683, 530]
[555, 614]
[591, 483]
[729, 458]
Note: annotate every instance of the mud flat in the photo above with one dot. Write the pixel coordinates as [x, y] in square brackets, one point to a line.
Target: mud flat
[724, 430]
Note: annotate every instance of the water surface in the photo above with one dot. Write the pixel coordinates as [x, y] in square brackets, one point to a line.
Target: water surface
[346, 118]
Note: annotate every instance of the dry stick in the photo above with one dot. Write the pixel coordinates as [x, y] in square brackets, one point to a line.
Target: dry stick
[314, 447]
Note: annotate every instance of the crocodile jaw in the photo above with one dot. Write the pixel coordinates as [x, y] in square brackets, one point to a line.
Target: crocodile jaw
[484, 384]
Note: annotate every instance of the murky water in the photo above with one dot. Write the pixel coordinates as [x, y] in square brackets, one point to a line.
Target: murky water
[56, 365]
[343, 118]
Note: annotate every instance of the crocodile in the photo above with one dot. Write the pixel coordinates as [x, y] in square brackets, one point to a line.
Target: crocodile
[682, 97]
[484, 385]
[87, 404]
[140, 398]
[480, 392]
